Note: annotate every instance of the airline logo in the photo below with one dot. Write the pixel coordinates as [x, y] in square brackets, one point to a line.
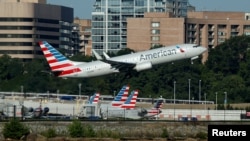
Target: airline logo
[181, 50]
[57, 61]
[95, 98]
[121, 97]
[160, 53]
[131, 101]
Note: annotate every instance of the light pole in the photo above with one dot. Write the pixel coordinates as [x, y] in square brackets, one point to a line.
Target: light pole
[57, 93]
[216, 100]
[114, 93]
[174, 91]
[22, 90]
[205, 101]
[79, 85]
[189, 91]
[225, 101]
[199, 91]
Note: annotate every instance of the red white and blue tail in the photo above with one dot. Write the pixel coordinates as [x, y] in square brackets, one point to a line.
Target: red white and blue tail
[156, 109]
[121, 97]
[131, 101]
[94, 99]
[59, 64]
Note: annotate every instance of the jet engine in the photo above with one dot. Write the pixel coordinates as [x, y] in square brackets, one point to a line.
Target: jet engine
[45, 110]
[143, 66]
[30, 109]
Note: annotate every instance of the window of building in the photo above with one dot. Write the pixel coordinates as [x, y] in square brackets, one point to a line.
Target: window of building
[155, 38]
[155, 31]
[155, 24]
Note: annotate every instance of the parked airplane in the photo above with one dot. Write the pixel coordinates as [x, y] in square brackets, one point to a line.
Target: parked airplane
[92, 110]
[121, 97]
[63, 67]
[119, 112]
[136, 113]
[156, 110]
[131, 101]
[94, 99]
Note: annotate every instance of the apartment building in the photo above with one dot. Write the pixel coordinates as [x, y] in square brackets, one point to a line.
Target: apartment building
[153, 30]
[206, 28]
[109, 19]
[212, 28]
[85, 40]
[25, 22]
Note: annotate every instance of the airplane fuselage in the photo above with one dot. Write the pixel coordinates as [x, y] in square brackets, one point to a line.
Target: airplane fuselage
[141, 60]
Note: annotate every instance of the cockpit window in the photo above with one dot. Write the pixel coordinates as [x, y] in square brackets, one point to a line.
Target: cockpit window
[195, 46]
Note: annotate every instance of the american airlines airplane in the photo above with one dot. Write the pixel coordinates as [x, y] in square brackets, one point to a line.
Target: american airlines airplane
[139, 61]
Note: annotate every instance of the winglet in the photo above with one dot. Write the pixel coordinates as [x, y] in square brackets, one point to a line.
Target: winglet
[98, 57]
[106, 55]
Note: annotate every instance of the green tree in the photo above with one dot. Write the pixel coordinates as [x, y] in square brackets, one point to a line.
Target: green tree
[14, 129]
[76, 129]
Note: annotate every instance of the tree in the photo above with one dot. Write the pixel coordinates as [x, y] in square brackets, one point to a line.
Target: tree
[15, 129]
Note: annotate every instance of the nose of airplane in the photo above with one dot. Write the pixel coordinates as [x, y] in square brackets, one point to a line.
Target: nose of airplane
[203, 49]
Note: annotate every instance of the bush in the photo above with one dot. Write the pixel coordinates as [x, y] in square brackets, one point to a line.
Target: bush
[201, 135]
[89, 131]
[50, 133]
[14, 129]
[76, 129]
[164, 133]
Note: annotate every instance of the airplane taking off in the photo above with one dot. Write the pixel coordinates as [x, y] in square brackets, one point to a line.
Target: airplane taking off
[139, 61]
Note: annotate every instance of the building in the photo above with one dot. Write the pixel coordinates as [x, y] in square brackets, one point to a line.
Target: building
[85, 40]
[206, 28]
[155, 29]
[210, 28]
[109, 19]
[25, 22]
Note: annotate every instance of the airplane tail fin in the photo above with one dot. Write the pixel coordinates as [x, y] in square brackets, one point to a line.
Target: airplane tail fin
[121, 97]
[131, 101]
[94, 99]
[59, 64]
[157, 108]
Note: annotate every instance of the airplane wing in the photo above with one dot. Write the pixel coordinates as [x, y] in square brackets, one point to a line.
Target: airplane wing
[121, 66]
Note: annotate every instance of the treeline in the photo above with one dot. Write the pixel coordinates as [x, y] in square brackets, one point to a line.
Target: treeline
[226, 72]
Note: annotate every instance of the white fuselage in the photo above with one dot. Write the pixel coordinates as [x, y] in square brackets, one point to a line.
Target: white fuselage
[142, 60]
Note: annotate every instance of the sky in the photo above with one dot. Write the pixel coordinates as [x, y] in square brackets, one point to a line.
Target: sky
[83, 8]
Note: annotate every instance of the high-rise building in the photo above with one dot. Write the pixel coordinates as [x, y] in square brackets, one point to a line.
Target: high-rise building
[208, 28]
[109, 19]
[85, 40]
[25, 22]
[211, 28]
